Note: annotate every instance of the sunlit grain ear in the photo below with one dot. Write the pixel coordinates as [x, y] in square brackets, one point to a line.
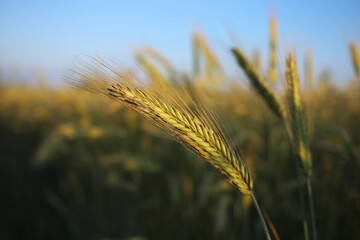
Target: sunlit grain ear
[155, 65]
[273, 48]
[355, 57]
[259, 84]
[196, 131]
[297, 117]
[207, 69]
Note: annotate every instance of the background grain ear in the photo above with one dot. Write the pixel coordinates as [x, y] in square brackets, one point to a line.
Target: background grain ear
[263, 88]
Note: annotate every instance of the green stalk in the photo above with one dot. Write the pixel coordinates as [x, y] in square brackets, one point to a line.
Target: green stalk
[302, 203]
[298, 129]
[261, 216]
[312, 212]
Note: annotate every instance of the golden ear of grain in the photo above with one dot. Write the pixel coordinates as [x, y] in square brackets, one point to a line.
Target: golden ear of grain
[259, 84]
[355, 59]
[297, 117]
[202, 53]
[189, 129]
[155, 76]
[194, 131]
[273, 56]
[158, 57]
[309, 71]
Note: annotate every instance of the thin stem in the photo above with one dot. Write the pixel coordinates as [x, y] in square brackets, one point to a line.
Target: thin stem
[302, 202]
[267, 234]
[272, 227]
[300, 184]
[312, 212]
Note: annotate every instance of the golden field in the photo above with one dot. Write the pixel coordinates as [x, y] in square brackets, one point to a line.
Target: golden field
[76, 165]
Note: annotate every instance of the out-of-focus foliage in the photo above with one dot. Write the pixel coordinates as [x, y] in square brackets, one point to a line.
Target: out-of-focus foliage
[207, 69]
[76, 165]
[158, 79]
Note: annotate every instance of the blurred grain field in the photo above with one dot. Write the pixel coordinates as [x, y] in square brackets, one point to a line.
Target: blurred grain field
[75, 165]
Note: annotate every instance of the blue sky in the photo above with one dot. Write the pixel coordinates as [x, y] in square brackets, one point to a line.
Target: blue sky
[44, 36]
